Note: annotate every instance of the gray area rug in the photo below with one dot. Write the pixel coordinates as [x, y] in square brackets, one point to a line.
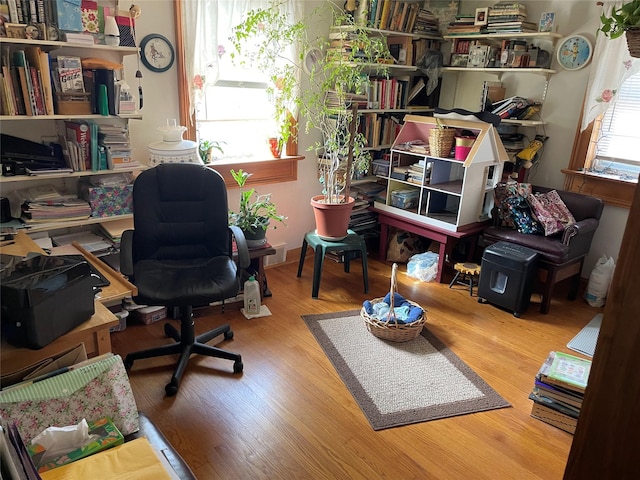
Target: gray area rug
[400, 383]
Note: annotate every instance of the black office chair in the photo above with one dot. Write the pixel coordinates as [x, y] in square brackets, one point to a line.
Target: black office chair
[180, 254]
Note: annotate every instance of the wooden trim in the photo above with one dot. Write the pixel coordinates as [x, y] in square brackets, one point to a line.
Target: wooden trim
[183, 90]
[264, 171]
[611, 191]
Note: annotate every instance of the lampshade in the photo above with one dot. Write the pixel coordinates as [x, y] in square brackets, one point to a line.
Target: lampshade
[111, 31]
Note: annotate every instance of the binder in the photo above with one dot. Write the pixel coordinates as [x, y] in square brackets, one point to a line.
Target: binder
[104, 76]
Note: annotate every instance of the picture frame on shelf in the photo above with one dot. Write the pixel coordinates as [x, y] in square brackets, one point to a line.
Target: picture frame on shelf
[15, 30]
[547, 22]
[482, 16]
[459, 59]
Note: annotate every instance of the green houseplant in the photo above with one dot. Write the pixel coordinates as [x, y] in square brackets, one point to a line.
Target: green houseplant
[624, 20]
[256, 212]
[206, 148]
[338, 79]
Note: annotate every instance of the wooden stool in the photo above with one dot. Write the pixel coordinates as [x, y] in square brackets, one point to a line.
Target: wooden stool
[351, 243]
[469, 272]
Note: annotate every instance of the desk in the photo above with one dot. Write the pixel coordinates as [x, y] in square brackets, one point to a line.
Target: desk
[446, 238]
[94, 332]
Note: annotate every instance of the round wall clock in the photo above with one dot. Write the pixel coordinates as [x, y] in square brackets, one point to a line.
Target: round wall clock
[574, 52]
[156, 53]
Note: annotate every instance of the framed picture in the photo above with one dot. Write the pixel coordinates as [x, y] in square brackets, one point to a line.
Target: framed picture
[459, 59]
[547, 22]
[15, 30]
[482, 16]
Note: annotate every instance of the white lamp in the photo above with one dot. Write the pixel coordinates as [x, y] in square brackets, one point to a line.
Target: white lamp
[111, 32]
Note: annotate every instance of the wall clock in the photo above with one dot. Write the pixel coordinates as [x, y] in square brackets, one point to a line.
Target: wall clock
[574, 52]
[156, 53]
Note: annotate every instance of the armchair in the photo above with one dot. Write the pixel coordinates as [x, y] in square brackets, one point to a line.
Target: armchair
[180, 254]
[561, 255]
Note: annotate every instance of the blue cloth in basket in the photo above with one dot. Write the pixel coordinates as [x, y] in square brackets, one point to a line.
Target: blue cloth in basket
[403, 311]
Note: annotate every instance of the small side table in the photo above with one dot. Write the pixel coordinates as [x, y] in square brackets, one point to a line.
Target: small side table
[352, 242]
[470, 275]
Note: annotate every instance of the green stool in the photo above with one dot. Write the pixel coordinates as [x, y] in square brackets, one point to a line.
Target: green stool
[351, 243]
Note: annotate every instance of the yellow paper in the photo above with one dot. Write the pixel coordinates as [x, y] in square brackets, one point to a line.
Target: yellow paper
[134, 460]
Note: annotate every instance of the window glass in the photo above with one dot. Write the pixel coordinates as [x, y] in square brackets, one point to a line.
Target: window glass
[617, 151]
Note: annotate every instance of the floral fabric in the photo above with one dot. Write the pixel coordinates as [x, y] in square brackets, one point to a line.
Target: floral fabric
[91, 392]
[551, 212]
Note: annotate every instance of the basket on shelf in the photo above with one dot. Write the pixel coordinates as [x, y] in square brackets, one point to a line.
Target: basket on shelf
[392, 330]
[441, 140]
[633, 41]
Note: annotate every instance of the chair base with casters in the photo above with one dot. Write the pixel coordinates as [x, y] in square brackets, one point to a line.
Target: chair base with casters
[351, 243]
[186, 345]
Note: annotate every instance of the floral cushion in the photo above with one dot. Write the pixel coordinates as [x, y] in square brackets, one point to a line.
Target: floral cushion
[519, 211]
[513, 210]
[550, 211]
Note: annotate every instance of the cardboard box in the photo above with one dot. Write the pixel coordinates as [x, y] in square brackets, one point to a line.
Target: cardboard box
[107, 201]
[149, 315]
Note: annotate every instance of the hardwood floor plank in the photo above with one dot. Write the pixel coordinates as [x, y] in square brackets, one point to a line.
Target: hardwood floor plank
[289, 416]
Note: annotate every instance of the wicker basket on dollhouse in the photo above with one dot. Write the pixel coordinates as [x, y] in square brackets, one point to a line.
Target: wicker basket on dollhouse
[389, 328]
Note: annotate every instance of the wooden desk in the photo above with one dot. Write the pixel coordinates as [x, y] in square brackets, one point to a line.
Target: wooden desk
[94, 332]
[446, 238]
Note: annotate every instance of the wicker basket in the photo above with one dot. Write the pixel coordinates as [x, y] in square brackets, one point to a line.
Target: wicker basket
[386, 330]
[441, 141]
[633, 41]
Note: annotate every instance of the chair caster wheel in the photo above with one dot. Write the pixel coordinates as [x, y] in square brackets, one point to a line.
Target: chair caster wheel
[128, 363]
[228, 335]
[238, 366]
[516, 314]
[481, 300]
[171, 388]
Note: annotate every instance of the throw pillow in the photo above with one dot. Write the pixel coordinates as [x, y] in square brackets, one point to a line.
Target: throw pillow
[523, 220]
[550, 211]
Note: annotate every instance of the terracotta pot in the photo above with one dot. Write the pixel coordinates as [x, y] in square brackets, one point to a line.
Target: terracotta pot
[332, 219]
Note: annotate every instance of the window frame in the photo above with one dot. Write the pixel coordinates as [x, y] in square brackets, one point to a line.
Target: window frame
[264, 171]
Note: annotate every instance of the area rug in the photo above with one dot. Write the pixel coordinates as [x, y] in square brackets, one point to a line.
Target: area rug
[400, 383]
[585, 341]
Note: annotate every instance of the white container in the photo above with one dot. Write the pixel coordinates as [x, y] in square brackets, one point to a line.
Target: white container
[172, 148]
[251, 297]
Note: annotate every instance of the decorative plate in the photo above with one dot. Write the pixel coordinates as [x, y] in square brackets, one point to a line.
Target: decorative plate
[574, 52]
[156, 53]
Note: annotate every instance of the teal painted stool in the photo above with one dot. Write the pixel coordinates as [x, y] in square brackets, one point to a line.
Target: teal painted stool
[351, 243]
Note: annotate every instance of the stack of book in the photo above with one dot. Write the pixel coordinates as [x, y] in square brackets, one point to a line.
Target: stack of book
[559, 390]
[509, 17]
[463, 25]
[44, 204]
[114, 141]
[513, 107]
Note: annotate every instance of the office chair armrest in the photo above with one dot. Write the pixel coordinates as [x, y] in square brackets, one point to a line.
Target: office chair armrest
[126, 253]
[243, 249]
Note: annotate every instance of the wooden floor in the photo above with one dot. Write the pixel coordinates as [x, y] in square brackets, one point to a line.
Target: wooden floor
[289, 416]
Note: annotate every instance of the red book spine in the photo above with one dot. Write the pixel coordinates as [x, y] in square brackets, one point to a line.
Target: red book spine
[37, 90]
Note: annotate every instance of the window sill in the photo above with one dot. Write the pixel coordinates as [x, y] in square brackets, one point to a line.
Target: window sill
[611, 191]
[267, 171]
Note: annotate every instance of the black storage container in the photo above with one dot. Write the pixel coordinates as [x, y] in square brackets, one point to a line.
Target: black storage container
[506, 277]
[43, 297]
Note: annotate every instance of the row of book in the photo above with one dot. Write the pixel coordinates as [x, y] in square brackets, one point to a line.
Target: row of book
[379, 130]
[516, 107]
[559, 389]
[88, 146]
[402, 16]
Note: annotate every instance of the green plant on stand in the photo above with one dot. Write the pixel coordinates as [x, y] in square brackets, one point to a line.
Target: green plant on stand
[256, 212]
[621, 19]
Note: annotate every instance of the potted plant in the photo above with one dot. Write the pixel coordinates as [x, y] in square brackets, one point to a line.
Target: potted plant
[624, 20]
[334, 73]
[255, 214]
[206, 148]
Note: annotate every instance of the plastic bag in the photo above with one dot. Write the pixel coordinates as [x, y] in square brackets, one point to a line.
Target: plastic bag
[423, 266]
[599, 281]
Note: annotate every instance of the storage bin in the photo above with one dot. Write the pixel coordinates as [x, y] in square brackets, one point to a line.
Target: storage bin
[405, 198]
[107, 201]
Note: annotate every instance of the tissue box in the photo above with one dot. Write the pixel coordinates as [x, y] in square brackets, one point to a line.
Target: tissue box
[149, 315]
[108, 436]
[107, 201]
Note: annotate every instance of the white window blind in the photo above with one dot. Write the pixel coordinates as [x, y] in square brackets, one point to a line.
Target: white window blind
[618, 144]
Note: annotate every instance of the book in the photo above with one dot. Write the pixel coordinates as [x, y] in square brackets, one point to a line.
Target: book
[40, 60]
[553, 417]
[558, 393]
[565, 370]
[79, 133]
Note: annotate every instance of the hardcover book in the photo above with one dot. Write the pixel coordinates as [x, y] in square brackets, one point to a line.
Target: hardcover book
[566, 371]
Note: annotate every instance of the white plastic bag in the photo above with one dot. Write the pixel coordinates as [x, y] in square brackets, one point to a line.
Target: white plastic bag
[599, 281]
[423, 266]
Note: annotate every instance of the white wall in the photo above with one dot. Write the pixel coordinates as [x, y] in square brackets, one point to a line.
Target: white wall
[561, 111]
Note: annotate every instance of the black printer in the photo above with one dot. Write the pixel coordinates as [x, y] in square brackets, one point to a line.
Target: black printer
[43, 297]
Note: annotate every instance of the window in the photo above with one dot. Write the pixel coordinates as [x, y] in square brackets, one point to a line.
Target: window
[616, 136]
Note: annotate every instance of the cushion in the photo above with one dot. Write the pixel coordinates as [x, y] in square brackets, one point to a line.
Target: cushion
[519, 211]
[550, 211]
